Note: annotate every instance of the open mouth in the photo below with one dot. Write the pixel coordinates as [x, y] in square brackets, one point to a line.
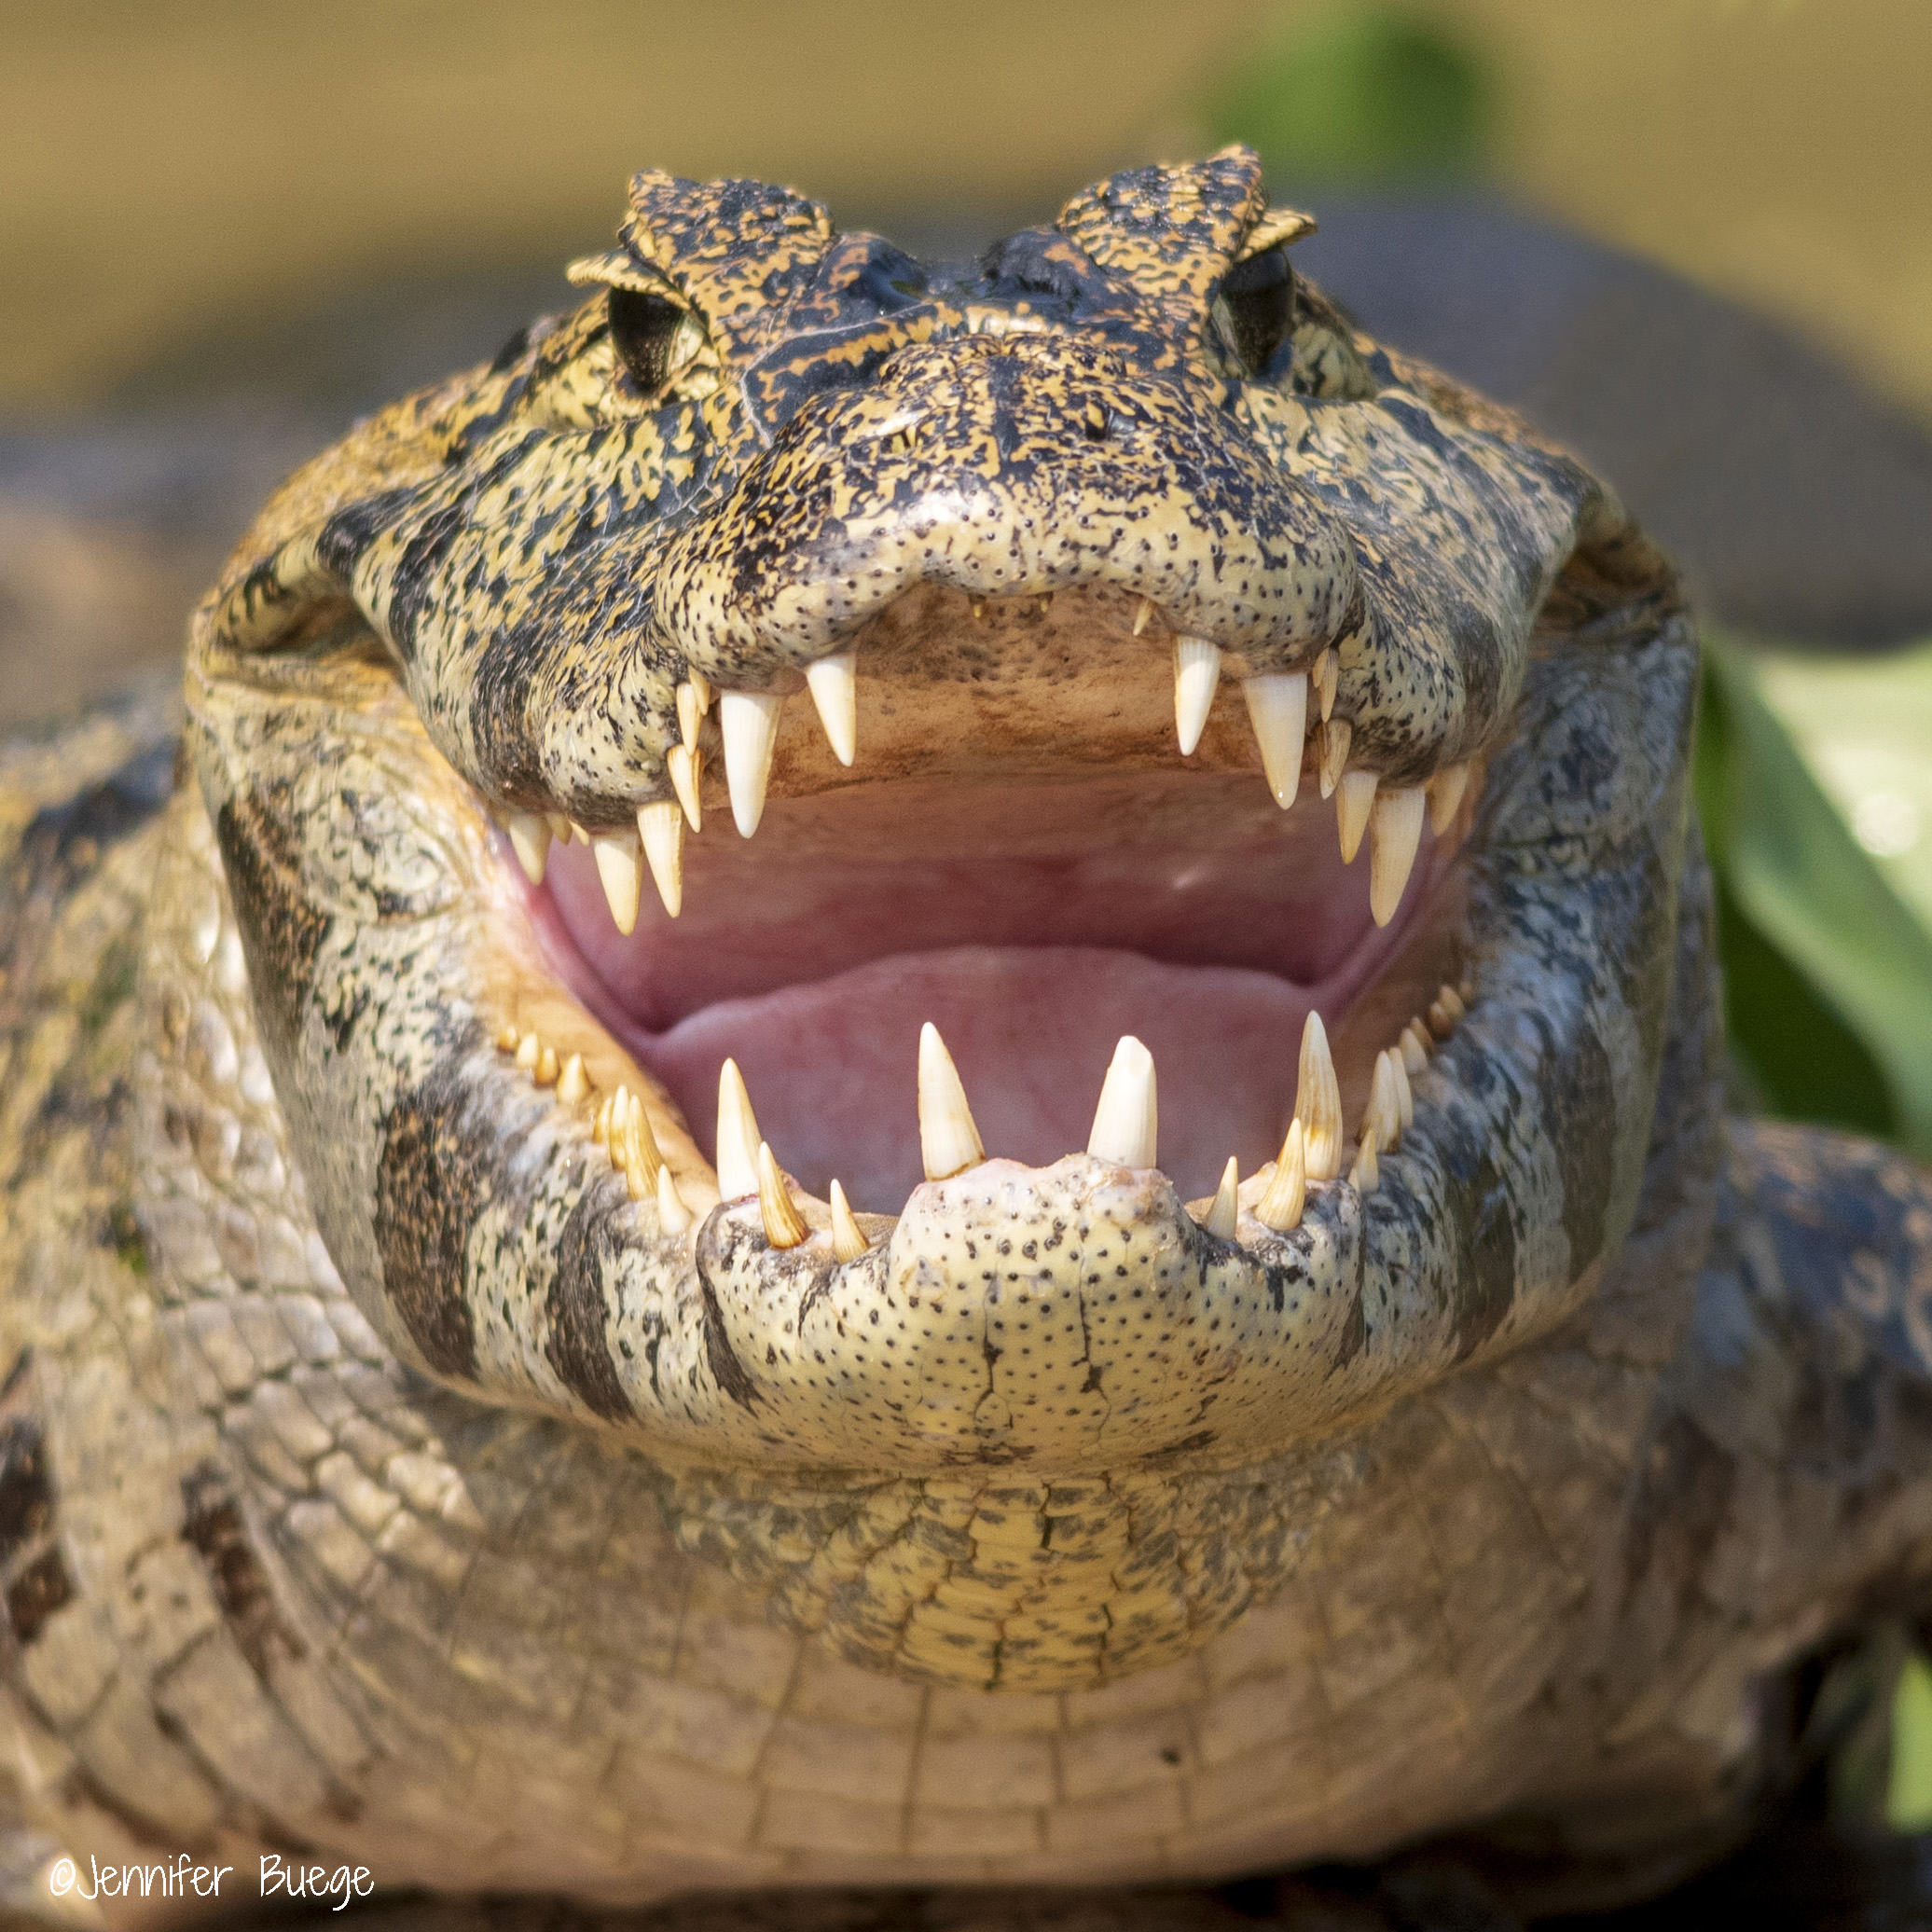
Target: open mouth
[1032, 915]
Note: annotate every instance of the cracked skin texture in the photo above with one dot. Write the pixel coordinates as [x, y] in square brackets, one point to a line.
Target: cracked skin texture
[376, 1475]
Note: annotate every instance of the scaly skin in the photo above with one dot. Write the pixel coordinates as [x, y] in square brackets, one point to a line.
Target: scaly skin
[379, 1476]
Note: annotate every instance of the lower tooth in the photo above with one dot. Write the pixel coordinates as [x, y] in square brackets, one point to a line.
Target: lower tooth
[1126, 1123]
[673, 1217]
[528, 1049]
[1224, 1217]
[544, 1072]
[738, 1139]
[1405, 1097]
[783, 1226]
[1318, 1103]
[1364, 1177]
[849, 1240]
[949, 1142]
[1383, 1123]
[572, 1083]
[1282, 1200]
[1414, 1047]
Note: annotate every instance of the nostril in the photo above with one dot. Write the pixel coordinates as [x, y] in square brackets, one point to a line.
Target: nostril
[1096, 424]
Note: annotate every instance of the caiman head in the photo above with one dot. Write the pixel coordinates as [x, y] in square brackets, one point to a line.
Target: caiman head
[1169, 812]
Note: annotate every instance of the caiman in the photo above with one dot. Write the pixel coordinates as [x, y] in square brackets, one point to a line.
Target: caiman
[908, 1075]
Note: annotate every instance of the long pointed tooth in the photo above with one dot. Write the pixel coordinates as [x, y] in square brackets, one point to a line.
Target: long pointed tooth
[949, 1143]
[834, 684]
[783, 1225]
[1384, 1118]
[1336, 736]
[1126, 1123]
[578, 835]
[1224, 1217]
[1318, 1103]
[617, 867]
[1445, 789]
[1404, 1093]
[1196, 672]
[749, 721]
[1287, 1192]
[1328, 681]
[1415, 1048]
[572, 1083]
[1354, 798]
[1395, 831]
[634, 1147]
[1277, 708]
[530, 840]
[1365, 1176]
[673, 1217]
[559, 827]
[685, 766]
[738, 1136]
[701, 690]
[690, 712]
[660, 829]
[1143, 612]
[849, 1240]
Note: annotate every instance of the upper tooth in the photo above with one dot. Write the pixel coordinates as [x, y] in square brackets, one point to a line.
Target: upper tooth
[1282, 1200]
[1336, 736]
[738, 1136]
[1277, 708]
[1365, 1176]
[1395, 831]
[1445, 791]
[559, 827]
[1126, 1123]
[749, 721]
[530, 840]
[1196, 672]
[690, 712]
[1143, 612]
[685, 766]
[1353, 798]
[660, 827]
[834, 684]
[617, 867]
[1224, 1217]
[1328, 680]
[783, 1225]
[701, 690]
[849, 1240]
[949, 1143]
[1318, 1103]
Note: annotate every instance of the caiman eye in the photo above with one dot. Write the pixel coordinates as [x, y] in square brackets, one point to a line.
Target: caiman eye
[654, 336]
[1257, 297]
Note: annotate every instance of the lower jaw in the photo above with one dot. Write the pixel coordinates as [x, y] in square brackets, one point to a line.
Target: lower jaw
[830, 1063]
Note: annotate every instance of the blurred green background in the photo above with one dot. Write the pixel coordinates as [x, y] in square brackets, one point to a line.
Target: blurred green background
[231, 225]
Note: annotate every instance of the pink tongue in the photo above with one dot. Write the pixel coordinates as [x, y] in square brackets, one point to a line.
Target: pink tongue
[832, 1065]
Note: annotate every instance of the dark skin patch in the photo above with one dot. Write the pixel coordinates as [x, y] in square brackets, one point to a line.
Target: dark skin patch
[213, 1526]
[429, 1188]
[1577, 1102]
[282, 932]
[26, 1493]
[575, 1344]
[33, 1595]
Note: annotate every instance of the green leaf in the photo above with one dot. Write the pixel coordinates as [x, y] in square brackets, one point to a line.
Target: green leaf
[1828, 993]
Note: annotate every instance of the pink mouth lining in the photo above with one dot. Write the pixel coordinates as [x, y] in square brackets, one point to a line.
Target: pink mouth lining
[1032, 924]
